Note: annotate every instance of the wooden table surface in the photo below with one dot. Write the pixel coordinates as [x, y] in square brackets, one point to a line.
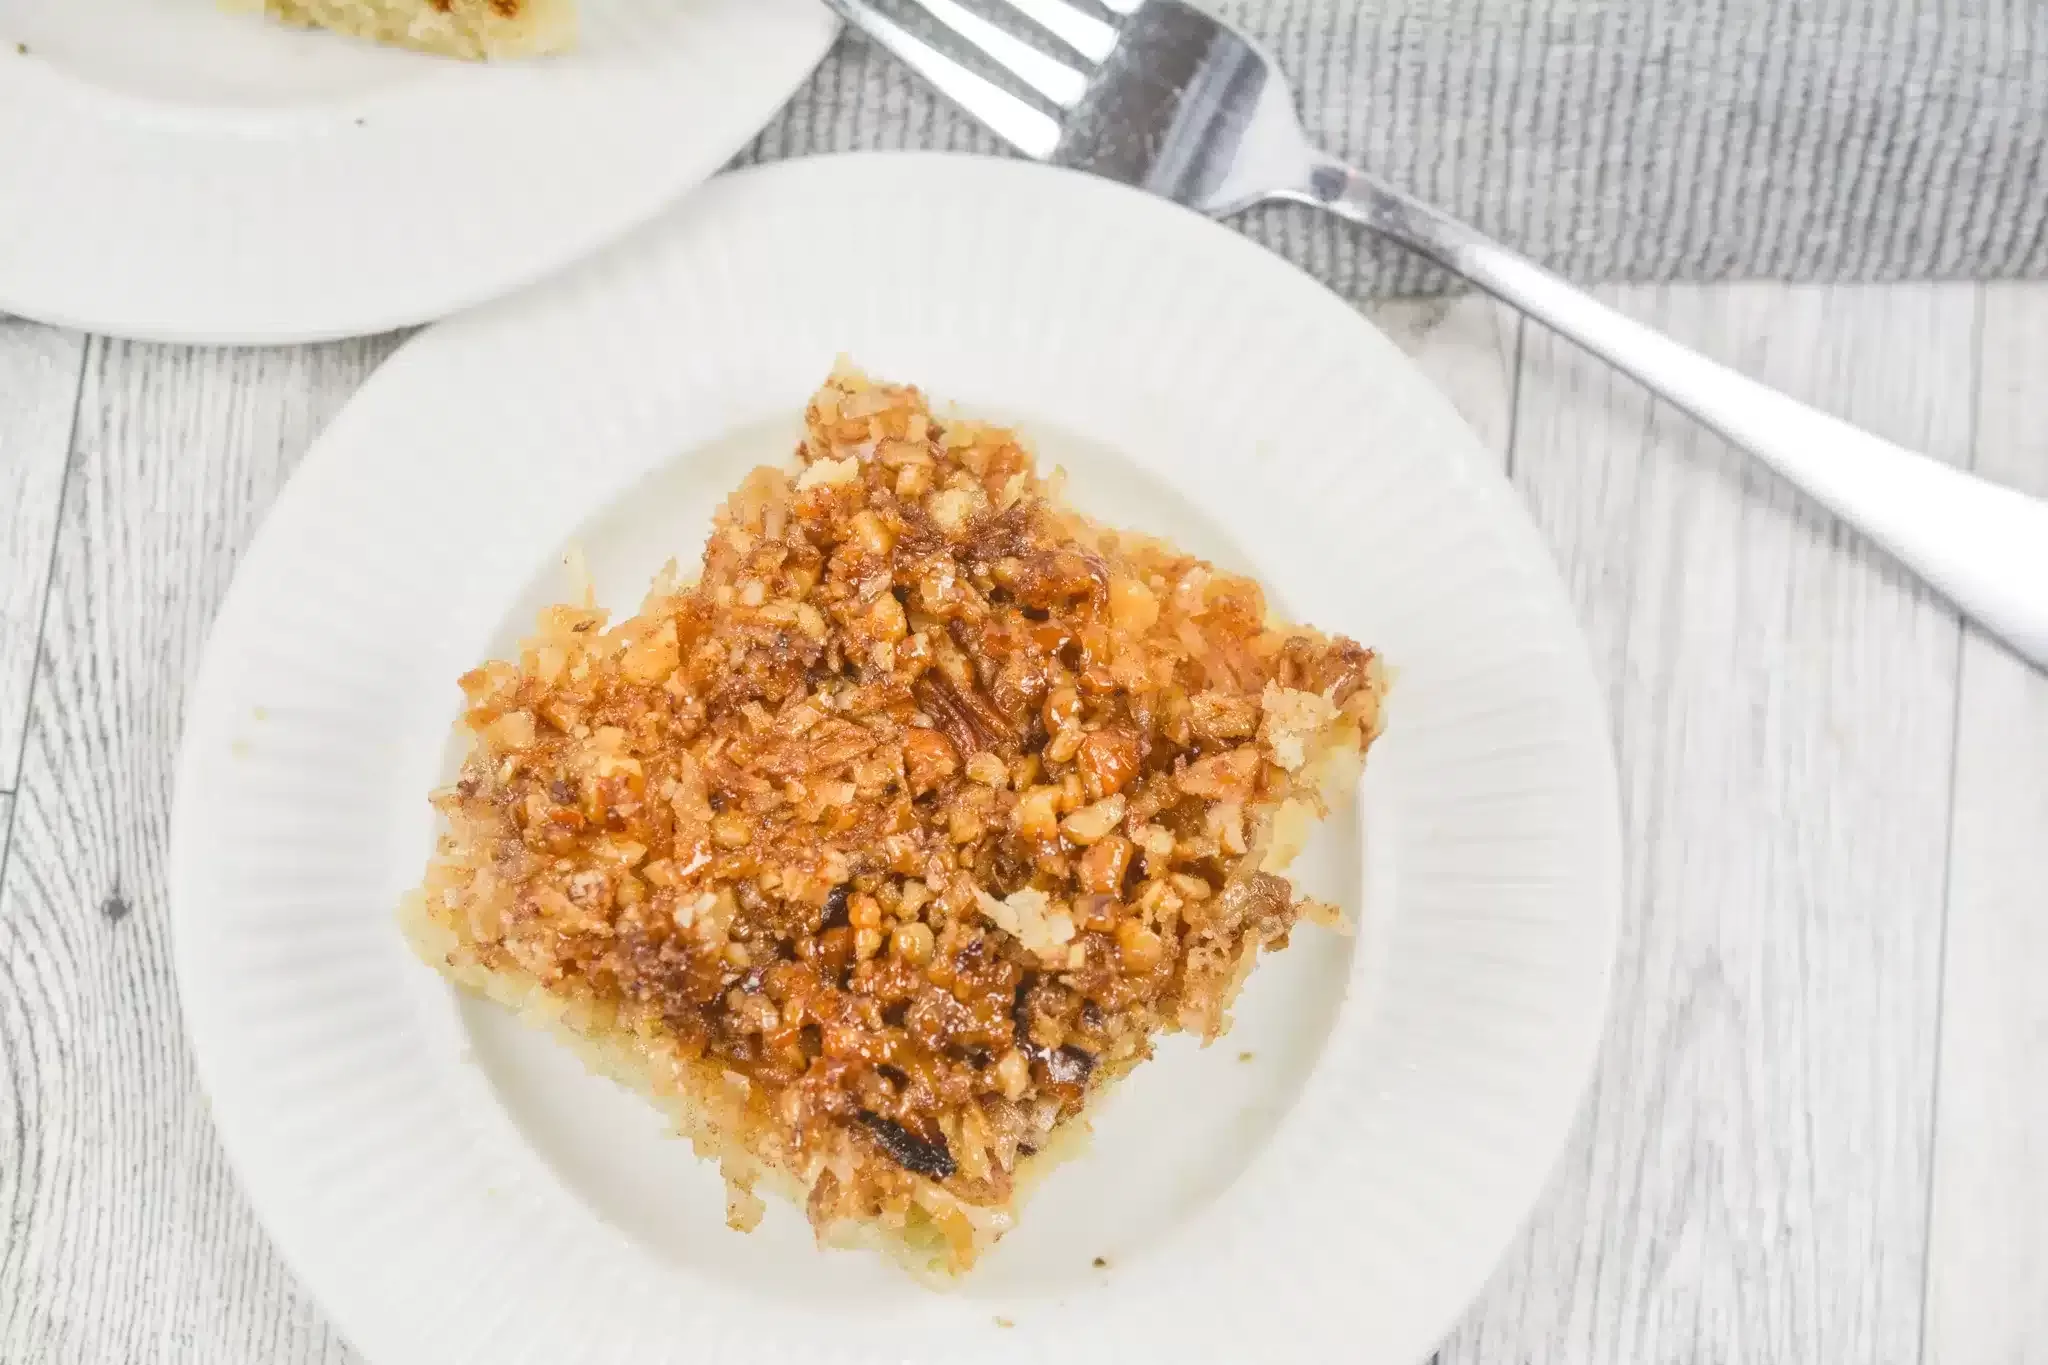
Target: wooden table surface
[1819, 1131]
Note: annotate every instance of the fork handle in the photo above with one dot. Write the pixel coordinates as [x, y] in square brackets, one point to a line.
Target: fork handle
[1980, 544]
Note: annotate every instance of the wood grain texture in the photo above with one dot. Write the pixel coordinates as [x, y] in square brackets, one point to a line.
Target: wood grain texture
[39, 368]
[1751, 1179]
[1752, 1176]
[1987, 1271]
[125, 1238]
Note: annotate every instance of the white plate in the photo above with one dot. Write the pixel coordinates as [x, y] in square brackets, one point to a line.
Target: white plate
[174, 172]
[453, 1187]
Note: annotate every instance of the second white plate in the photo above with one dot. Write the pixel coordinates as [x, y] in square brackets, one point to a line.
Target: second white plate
[174, 172]
[1333, 1181]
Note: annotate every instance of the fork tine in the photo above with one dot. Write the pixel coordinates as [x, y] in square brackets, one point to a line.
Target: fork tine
[1049, 76]
[1084, 33]
[1031, 131]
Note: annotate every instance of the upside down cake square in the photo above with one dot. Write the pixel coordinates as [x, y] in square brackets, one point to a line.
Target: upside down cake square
[877, 853]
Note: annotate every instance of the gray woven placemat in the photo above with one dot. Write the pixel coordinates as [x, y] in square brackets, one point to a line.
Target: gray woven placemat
[1625, 139]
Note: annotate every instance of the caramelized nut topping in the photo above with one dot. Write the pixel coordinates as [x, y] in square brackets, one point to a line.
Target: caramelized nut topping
[914, 820]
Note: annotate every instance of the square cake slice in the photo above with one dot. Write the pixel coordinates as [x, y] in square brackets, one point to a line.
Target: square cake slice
[877, 854]
[471, 29]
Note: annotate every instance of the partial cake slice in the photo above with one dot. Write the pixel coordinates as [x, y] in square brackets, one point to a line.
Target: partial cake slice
[875, 856]
[470, 29]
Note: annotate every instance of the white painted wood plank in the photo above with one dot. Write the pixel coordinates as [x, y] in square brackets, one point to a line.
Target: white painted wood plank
[125, 1238]
[1710, 1211]
[1987, 1273]
[1751, 1179]
[38, 384]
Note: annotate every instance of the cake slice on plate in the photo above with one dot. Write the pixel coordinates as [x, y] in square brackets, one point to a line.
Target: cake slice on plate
[470, 29]
[878, 854]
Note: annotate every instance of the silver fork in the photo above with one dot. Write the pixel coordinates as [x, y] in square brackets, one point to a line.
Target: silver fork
[1171, 100]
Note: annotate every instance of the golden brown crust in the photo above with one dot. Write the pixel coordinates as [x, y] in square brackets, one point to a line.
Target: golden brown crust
[918, 816]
